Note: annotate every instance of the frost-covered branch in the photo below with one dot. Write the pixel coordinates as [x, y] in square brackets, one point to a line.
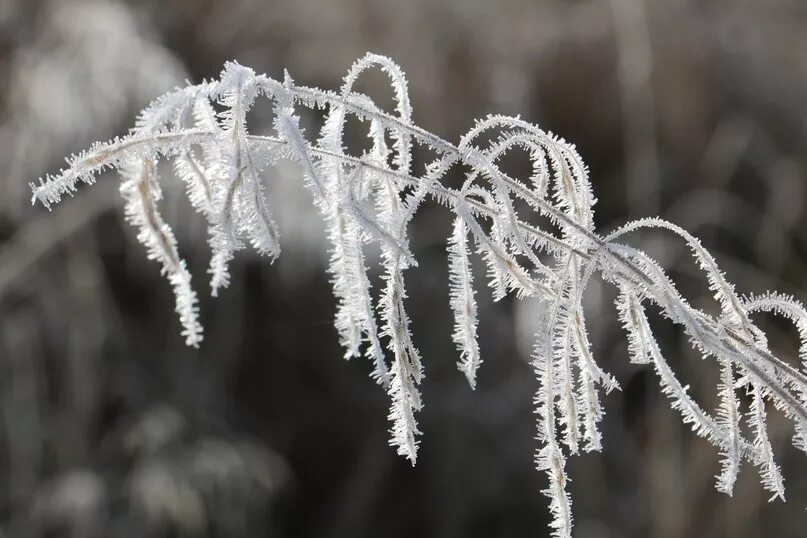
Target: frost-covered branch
[371, 198]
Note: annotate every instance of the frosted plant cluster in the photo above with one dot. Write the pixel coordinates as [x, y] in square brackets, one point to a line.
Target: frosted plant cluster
[370, 198]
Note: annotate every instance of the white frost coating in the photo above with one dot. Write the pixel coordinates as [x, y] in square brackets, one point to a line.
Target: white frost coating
[372, 198]
[463, 301]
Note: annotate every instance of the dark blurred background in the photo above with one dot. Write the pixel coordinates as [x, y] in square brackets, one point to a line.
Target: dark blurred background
[111, 427]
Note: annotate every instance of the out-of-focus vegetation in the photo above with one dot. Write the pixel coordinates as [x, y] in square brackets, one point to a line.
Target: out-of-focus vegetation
[111, 427]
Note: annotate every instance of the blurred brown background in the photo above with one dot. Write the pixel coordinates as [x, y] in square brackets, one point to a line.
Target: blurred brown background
[109, 427]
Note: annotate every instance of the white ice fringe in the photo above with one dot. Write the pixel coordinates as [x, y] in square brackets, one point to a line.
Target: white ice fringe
[372, 198]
